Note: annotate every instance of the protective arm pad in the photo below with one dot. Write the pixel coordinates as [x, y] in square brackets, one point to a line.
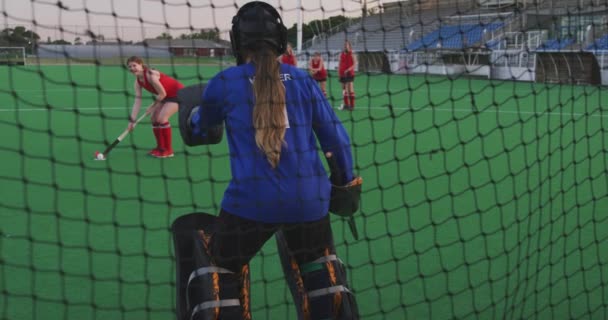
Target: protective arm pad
[190, 99]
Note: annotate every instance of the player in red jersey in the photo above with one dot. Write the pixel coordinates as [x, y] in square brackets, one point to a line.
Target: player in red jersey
[318, 71]
[165, 104]
[289, 57]
[346, 71]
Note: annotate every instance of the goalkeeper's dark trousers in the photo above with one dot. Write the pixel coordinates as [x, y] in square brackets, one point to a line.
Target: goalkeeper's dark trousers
[236, 240]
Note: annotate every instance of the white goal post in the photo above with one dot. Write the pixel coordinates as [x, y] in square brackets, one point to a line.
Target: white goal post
[12, 56]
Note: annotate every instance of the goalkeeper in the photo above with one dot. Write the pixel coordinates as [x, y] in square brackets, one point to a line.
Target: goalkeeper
[273, 115]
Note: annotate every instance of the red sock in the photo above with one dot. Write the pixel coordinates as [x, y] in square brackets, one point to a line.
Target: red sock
[156, 130]
[165, 130]
[352, 100]
[168, 137]
[345, 96]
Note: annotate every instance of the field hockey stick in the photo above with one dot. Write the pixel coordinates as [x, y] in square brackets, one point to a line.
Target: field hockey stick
[104, 154]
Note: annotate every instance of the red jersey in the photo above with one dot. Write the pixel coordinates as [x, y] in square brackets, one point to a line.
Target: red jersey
[321, 74]
[289, 59]
[346, 61]
[170, 85]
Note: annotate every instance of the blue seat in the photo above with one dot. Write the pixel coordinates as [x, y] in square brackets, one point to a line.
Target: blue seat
[555, 44]
[599, 44]
[454, 36]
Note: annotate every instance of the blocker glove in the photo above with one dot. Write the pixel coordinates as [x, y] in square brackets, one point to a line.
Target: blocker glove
[344, 199]
[190, 99]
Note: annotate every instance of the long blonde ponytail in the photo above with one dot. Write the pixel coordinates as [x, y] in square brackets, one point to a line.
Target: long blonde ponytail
[269, 118]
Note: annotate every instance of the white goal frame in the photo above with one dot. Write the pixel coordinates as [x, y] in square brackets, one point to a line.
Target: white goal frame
[6, 60]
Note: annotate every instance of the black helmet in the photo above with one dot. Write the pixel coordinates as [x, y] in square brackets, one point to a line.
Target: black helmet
[254, 22]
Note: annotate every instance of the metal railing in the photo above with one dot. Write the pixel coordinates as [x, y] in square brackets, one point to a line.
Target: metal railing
[513, 59]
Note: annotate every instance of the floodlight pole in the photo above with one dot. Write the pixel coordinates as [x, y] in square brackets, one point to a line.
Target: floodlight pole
[299, 26]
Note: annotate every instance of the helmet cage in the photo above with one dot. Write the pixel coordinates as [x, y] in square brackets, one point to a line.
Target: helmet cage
[257, 22]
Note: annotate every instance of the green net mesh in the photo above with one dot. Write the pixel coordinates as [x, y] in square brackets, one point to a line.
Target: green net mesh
[480, 130]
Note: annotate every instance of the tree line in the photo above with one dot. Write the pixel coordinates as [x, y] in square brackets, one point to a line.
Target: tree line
[317, 27]
[20, 36]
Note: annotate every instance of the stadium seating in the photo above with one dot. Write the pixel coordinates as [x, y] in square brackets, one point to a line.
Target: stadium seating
[599, 44]
[391, 30]
[493, 44]
[555, 44]
[454, 36]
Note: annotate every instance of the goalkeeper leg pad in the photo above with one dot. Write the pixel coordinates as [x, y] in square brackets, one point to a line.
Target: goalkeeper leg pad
[205, 291]
[327, 290]
[291, 271]
[319, 288]
[213, 293]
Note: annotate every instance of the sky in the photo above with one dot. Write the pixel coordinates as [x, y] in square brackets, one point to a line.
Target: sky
[121, 18]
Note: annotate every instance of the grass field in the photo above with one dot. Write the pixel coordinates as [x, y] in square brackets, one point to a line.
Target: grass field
[482, 199]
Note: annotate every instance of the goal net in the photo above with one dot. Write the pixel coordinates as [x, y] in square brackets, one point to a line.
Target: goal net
[480, 129]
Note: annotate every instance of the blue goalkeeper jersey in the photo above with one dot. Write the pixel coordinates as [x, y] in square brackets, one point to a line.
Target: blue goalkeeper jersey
[298, 189]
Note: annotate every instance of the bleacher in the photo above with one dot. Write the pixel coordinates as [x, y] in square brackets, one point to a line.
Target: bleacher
[493, 44]
[423, 34]
[416, 26]
[454, 36]
[555, 44]
[390, 30]
[599, 44]
[567, 7]
[375, 32]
